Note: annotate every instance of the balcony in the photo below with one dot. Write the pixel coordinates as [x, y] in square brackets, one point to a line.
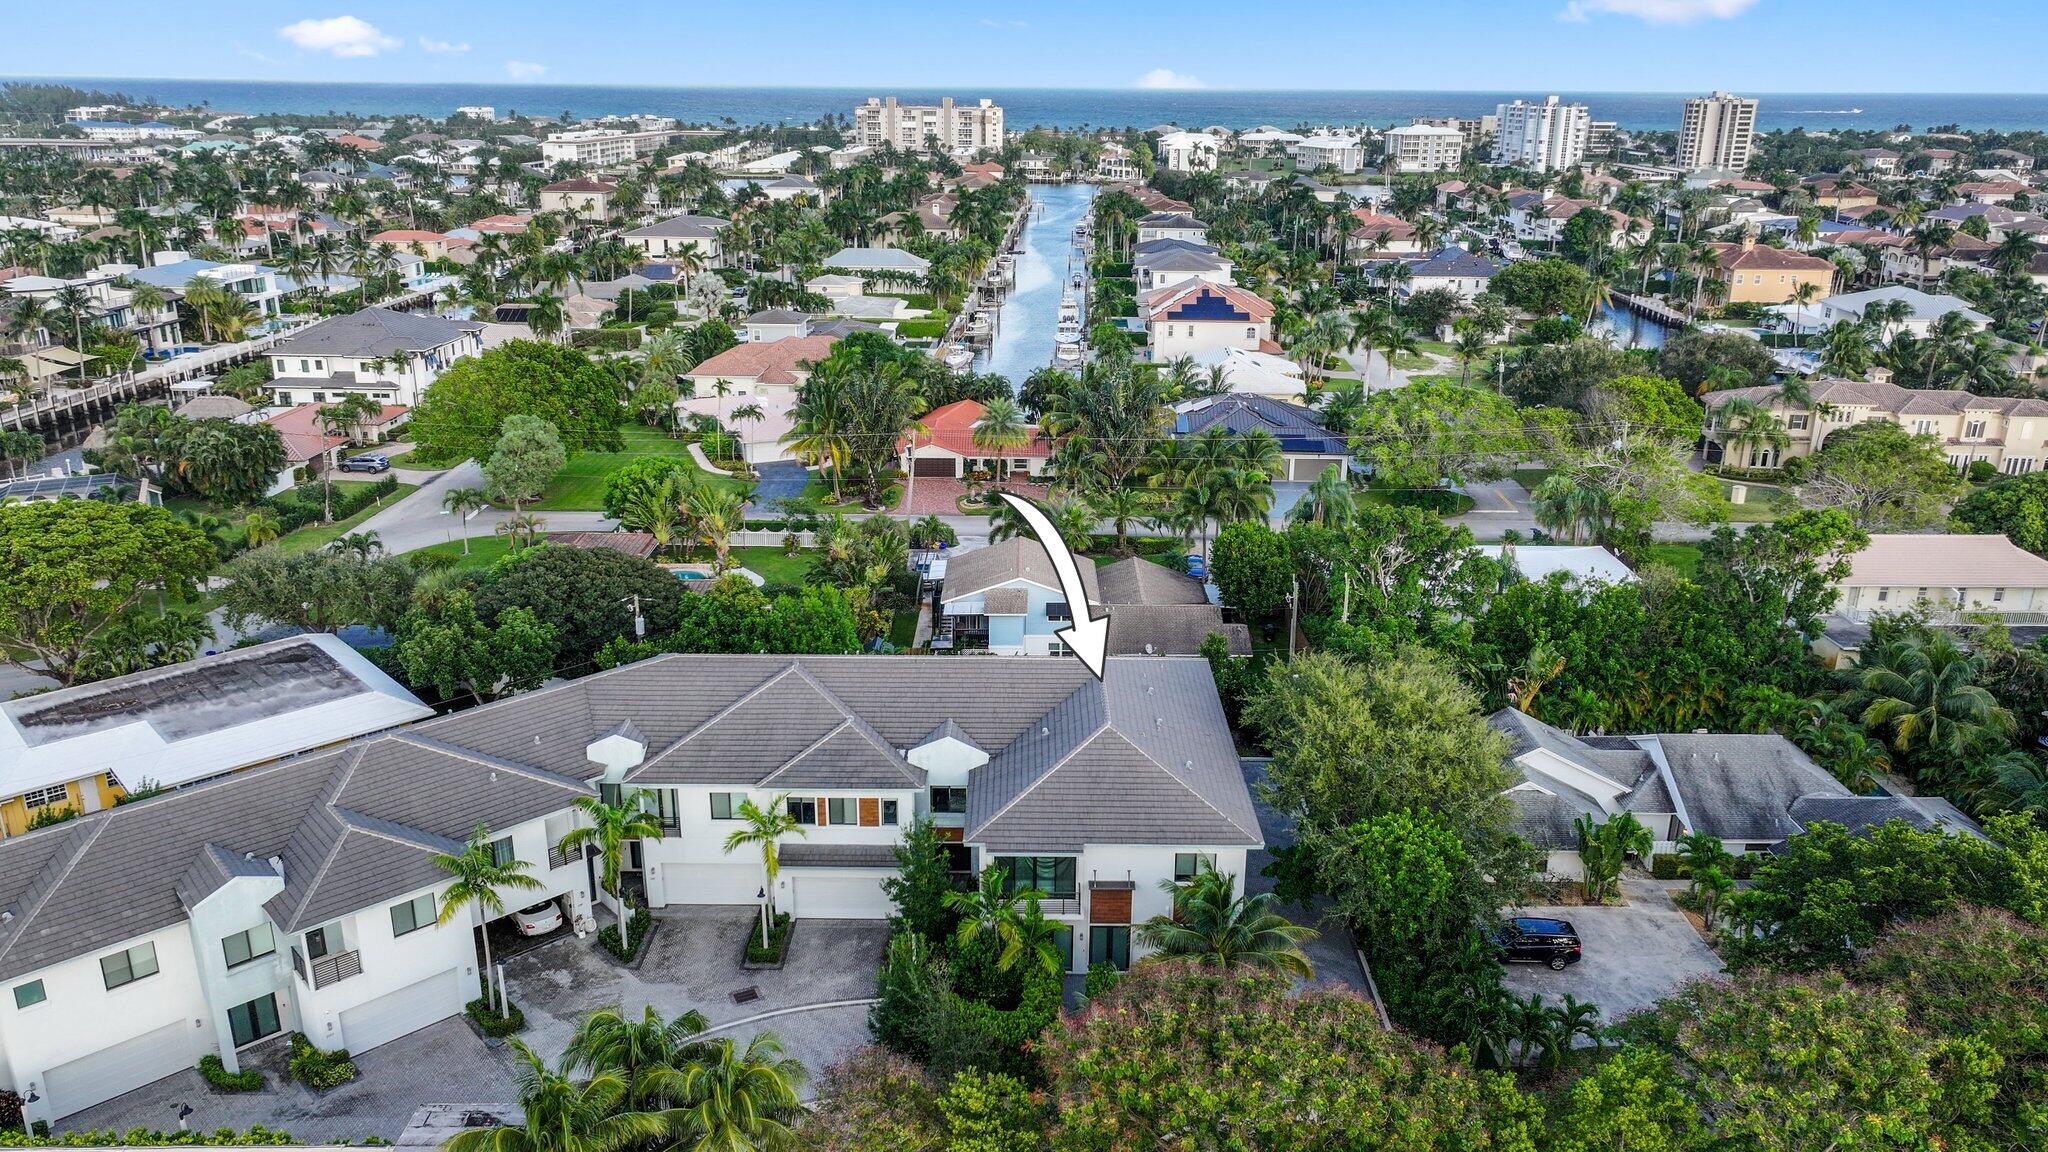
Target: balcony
[332, 968]
[558, 858]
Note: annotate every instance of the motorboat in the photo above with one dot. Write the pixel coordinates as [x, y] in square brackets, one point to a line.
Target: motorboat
[1067, 349]
[959, 358]
[1070, 310]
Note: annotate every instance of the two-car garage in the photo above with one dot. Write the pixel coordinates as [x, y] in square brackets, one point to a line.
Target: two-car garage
[407, 1010]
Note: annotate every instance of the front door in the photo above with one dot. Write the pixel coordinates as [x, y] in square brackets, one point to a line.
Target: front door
[253, 1021]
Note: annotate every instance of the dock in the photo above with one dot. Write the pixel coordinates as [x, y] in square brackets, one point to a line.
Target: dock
[1650, 308]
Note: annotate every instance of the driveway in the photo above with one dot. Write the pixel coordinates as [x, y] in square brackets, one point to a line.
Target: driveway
[780, 480]
[1634, 955]
[693, 962]
[1332, 951]
[418, 520]
[444, 1063]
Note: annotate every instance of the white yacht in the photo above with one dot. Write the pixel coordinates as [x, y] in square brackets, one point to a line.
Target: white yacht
[1067, 349]
[959, 358]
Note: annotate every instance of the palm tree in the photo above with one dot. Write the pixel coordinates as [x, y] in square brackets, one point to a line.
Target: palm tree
[1749, 430]
[521, 529]
[991, 908]
[1922, 690]
[1000, 429]
[563, 1114]
[1214, 925]
[764, 828]
[736, 1100]
[461, 502]
[260, 527]
[341, 418]
[716, 512]
[479, 875]
[609, 1041]
[1329, 501]
[610, 827]
[819, 431]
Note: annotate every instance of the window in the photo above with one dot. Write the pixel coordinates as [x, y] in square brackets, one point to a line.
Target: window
[1883, 594]
[662, 802]
[839, 810]
[41, 797]
[1187, 864]
[1050, 875]
[413, 915]
[1251, 333]
[1997, 595]
[1797, 423]
[501, 851]
[321, 941]
[722, 806]
[1111, 943]
[253, 1021]
[30, 994]
[889, 812]
[611, 794]
[243, 947]
[804, 811]
[1063, 940]
[129, 966]
[950, 800]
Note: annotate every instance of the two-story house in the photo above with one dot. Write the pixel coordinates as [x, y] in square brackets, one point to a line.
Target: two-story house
[1006, 599]
[2010, 433]
[1163, 263]
[1196, 316]
[1949, 576]
[697, 236]
[1171, 226]
[391, 357]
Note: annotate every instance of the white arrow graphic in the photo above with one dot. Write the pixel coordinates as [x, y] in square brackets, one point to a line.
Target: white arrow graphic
[1088, 635]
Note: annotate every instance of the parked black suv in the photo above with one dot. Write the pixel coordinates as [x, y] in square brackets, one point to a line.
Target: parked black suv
[1539, 940]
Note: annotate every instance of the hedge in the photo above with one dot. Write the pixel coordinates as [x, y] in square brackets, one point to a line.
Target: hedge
[217, 1074]
[778, 942]
[319, 1070]
[301, 507]
[921, 329]
[256, 1136]
[609, 936]
[491, 1023]
[607, 339]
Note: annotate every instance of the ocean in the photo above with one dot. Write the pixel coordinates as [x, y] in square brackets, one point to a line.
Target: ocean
[1065, 108]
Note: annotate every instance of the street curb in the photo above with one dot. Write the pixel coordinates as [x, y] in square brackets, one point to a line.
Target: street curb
[791, 1011]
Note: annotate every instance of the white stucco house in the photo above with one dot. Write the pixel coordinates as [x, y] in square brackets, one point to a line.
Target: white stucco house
[391, 357]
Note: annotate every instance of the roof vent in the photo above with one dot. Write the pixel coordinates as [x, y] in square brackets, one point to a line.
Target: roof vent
[1190, 763]
[1044, 730]
[277, 865]
[6, 917]
[1159, 721]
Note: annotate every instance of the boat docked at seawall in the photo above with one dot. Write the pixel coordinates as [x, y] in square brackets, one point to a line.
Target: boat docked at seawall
[1067, 350]
[958, 357]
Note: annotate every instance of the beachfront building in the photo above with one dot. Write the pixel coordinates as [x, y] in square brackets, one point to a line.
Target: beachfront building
[954, 128]
[1188, 152]
[1718, 133]
[1548, 137]
[599, 147]
[1343, 153]
[1424, 148]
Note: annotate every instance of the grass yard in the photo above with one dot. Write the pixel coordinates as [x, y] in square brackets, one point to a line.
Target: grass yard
[1529, 478]
[1684, 558]
[579, 486]
[773, 564]
[314, 536]
[903, 628]
[484, 551]
[1763, 503]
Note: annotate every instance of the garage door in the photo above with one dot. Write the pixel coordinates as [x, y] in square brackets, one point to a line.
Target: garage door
[407, 1010]
[842, 895]
[943, 466]
[705, 883]
[125, 1067]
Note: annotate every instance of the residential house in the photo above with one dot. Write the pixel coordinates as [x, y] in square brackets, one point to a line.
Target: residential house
[1908, 262]
[83, 749]
[431, 245]
[1925, 308]
[2011, 433]
[586, 198]
[890, 265]
[1006, 599]
[1878, 161]
[1741, 789]
[2012, 159]
[112, 305]
[946, 447]
[1837, 193]
[1577, 564]
[1306, 447]
[760, 440]
[1452, 269]
[771, 324]
[176, 273]
[391, 357]
[1760, 274]
[1254, 372]
[1374, 234]
[1991, 191]
[1194, 316]
[760, 369]
[1935, 161]
[1116, 164]
[1172, 226]
[1187, 152]
[1951, 576]
[1161, 263]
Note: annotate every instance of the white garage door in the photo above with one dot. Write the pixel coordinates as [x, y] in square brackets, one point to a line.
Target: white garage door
[407, 1010]
[841, 894]
[707, 883]
[125, 1067]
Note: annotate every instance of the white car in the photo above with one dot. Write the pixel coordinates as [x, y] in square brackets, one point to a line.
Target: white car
[538, 920]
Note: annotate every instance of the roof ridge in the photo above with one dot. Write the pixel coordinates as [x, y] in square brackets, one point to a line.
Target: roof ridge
[320, 812]
[47, 882]
[1181, 780]
[860, 726]
[539, 775]
[715, 717]
[1055, 766]
[394, 831]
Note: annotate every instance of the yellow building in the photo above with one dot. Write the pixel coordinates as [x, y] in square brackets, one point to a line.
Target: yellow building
[86, 794]
[1760, 274]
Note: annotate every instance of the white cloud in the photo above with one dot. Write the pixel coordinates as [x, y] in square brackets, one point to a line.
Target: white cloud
[246, 52]
[1657, 11]
[445, 47]
[339, 36]
[525, 70]
[1167, 78]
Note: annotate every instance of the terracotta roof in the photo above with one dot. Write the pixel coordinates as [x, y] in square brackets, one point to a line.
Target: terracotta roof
[631, 543]
[1945, 561]
[502, 225]
[1187, 299]
[359, 143]
[1884, 396]
[299, 427]
[1764, 258]
[407, 236]
[769, 362]
[952, 428]
[1372, 224]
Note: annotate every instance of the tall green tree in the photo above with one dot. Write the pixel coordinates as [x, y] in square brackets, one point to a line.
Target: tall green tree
[478, 881]
[610, 828]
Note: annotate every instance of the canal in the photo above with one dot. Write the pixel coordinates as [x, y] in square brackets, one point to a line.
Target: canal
[1030, 314]
[1624, 329]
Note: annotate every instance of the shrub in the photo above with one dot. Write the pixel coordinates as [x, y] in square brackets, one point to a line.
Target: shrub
[50, 814]
[319, 1070]
[217, 1074]
[302, 506]
[609, 936]
[10, 1109]
[256, 1136]
[921, 329]
[1102, 976]
[778, 942]
[1665, 866]
[494, 1025]
[609, 339]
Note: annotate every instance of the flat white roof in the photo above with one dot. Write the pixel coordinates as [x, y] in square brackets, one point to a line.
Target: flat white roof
[1580, 562]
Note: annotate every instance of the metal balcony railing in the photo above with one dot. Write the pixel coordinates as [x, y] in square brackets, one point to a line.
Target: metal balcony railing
[329, 969]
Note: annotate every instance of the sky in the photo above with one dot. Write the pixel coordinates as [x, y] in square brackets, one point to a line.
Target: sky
[1576, 45]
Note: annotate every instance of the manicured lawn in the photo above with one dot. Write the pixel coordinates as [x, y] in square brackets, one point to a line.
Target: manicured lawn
[773, 564]
[1762, 503]
[1685, 558]
[903, 627]
[819, 492]
[484, 551]
[314, 536]
[1529, 478]
[579, 486]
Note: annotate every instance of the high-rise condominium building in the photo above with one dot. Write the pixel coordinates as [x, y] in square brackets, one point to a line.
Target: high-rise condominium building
[1422, 148]
[1718, 133]
[974, 127]
[1545, 137]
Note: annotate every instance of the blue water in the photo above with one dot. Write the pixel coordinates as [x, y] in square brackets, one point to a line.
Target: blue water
[1065, 108]
[1031, 312]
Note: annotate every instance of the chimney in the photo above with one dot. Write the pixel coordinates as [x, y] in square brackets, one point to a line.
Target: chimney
[617, 751]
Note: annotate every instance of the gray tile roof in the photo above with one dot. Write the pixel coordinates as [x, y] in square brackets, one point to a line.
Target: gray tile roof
[1172, 630]
[1741, 787]
[212, 868]
[682, 228]
[374, 332]
[1017, 558]
[1859, 814]
[798, 854]
[1140, 581]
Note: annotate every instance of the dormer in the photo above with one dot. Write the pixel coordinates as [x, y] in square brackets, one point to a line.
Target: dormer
[617, 752]
[947, 754]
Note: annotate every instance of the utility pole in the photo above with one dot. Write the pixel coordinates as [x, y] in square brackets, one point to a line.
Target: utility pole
[639, 621]
[1293, 609]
